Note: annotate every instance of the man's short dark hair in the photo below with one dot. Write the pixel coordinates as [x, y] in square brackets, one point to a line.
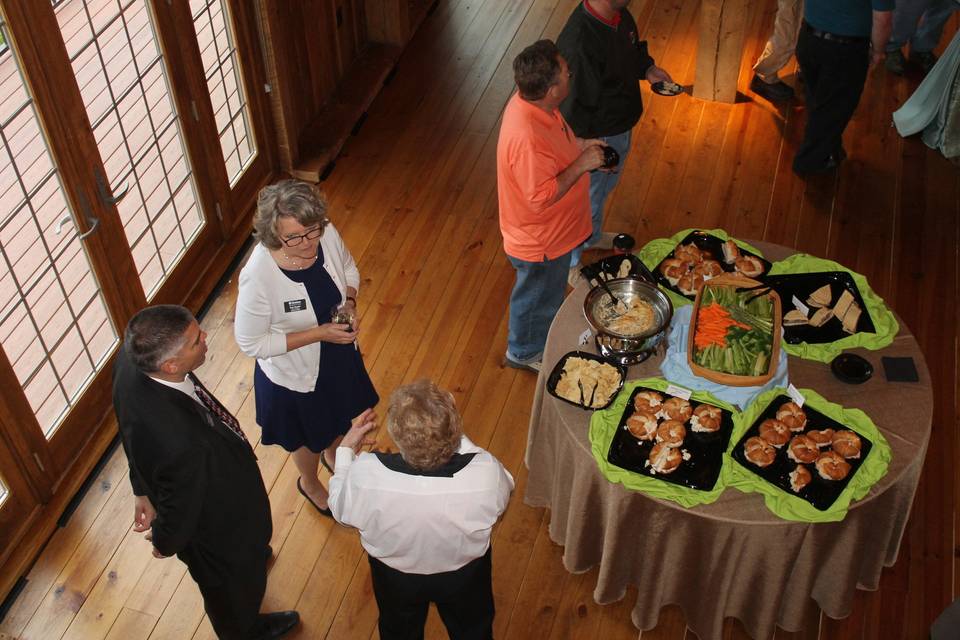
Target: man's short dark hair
[155, 334]
[535, 69]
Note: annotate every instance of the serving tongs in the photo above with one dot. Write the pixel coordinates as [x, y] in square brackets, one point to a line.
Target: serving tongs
[767, 284]
[583, 393]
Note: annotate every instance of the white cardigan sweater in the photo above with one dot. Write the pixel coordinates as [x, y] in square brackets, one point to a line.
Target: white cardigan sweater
[270, 305]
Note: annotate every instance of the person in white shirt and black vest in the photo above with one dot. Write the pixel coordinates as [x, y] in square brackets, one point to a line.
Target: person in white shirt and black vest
[195, 478]
[425, 515]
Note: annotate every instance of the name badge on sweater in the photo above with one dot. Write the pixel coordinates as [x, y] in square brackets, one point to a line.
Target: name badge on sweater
[290, 306]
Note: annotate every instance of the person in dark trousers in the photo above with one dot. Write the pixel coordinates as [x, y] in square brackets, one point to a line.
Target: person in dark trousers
[197, 487]
[425, 515]
[607, 61]
[839, 41]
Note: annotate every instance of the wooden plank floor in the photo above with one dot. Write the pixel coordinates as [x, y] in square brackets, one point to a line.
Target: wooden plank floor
[414, 194]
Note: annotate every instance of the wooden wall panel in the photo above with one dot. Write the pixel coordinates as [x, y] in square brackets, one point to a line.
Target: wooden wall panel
[313, 49]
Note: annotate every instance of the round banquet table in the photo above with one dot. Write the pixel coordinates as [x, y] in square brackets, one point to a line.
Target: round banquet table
[731, 558]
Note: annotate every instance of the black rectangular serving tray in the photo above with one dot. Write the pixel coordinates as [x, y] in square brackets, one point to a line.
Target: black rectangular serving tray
[713, 245]
[820, 493]
[706, 450]
[557, 372]
[611, 266]
[802, 285]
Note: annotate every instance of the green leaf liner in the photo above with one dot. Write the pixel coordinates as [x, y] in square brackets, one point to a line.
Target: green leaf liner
[787, 505]
[656, 250]
[884, 321]
[603, 426]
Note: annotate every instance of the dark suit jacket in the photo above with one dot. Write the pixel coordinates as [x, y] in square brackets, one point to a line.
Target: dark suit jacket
[203, 481]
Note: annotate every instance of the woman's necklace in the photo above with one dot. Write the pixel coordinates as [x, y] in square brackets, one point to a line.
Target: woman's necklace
[297, 263]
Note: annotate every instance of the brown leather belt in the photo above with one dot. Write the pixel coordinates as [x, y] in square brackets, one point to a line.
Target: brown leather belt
[833, 37]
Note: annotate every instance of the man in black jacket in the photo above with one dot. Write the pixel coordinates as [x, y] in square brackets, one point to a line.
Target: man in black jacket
[195, 478]
[607, 60]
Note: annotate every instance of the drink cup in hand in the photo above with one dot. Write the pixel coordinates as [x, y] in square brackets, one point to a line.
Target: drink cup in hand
[342, 314]
[610, 158]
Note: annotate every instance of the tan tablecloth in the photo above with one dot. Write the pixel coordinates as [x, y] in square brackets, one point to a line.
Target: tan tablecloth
[732, 558]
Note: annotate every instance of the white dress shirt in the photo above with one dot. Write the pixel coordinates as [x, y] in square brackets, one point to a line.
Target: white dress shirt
[420, 524]
[185, 386]
[270, 305]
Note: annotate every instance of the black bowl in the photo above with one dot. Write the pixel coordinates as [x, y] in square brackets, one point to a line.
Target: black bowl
[851, 368]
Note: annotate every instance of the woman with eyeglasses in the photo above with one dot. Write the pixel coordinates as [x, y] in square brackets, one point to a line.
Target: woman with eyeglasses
[310, 381]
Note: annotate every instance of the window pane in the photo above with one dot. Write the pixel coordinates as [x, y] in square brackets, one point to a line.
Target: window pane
[221, 67]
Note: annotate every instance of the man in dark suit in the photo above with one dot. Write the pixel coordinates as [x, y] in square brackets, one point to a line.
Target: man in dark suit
[195, 478]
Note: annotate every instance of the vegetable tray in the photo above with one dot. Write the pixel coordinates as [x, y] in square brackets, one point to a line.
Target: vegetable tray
[747, 351]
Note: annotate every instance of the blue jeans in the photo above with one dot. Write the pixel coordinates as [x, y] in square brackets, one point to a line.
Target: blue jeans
[921, 22]
[601, 184]
[535, 300]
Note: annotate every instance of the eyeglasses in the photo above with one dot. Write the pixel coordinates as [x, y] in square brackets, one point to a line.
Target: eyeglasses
[312, 234]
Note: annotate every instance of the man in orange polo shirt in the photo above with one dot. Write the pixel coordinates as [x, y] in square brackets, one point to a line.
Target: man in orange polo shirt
[543, 187]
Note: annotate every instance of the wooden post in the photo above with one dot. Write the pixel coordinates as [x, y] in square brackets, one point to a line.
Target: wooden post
[722, 27]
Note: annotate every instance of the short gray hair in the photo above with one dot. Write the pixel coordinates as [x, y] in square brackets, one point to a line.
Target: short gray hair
[424, 422]
[293, 198]
[155, 334]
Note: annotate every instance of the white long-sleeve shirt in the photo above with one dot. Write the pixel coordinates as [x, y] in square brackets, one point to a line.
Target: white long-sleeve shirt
[270, 305]
[421, 524]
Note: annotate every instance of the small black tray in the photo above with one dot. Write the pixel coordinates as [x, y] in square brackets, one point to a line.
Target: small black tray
[802, 285]
[611, 267]
[706, 449]
[557, 373]
[712, 245]
[820, 493]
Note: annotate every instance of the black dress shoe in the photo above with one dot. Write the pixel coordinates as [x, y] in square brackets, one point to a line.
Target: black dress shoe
[324, 512]
[779, 91]
[275, 625]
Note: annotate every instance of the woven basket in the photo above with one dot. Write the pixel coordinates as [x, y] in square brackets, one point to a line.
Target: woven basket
[728, 378]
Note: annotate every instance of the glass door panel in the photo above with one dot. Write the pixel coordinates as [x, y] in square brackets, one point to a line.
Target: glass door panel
[121, 72]
[221, 69]
[54, 326]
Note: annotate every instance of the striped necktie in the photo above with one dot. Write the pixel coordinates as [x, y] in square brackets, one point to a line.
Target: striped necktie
[217, 409]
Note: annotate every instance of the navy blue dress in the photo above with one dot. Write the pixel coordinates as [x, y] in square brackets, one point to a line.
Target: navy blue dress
[293, 419]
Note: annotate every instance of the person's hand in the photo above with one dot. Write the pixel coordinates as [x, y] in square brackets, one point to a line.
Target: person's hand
[877, 54]
[591, 157]
[360, 426]
[336, 333]
[156, 554]
[656, 74]
[143, 513]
